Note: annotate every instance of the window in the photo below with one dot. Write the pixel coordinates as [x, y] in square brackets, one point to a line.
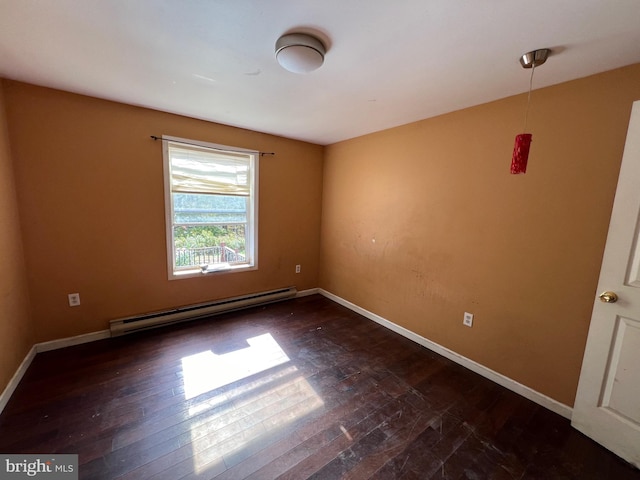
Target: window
[211, 207]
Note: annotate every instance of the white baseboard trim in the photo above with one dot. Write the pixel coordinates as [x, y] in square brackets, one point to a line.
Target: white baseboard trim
[527, 392]
[305, 293]
[70, 341]
[45, 347]
[15, 380]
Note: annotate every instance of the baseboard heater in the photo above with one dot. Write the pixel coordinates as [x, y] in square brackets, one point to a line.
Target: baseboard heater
[148, 321]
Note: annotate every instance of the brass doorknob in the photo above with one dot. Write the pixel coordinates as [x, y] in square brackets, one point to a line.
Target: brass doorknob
[608, 297]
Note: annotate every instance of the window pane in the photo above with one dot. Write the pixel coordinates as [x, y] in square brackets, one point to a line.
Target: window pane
[209, 245]
[204, 208]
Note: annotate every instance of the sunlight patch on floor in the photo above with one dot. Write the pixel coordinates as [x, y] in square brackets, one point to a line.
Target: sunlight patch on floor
[240, 420]
[207, 371]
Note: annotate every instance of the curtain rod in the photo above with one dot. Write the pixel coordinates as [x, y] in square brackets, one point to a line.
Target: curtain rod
[154, 137]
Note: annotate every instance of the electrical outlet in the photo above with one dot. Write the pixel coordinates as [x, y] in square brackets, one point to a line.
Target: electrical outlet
[74, 299]
[297, 268]
[468, 319]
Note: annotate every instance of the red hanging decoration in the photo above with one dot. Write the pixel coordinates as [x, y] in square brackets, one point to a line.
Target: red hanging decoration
[520, 153]
[523, 141]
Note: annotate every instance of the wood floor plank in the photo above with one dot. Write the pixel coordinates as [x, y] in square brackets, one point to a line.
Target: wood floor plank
[350, 400]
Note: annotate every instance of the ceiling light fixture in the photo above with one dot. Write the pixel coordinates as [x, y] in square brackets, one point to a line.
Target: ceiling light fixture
[299, 52]
[523, 141]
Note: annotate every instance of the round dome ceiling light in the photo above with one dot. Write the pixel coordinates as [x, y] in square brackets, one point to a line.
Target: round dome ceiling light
[299, 52]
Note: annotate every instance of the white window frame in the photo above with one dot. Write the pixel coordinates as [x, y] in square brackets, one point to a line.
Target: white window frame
[251, 230]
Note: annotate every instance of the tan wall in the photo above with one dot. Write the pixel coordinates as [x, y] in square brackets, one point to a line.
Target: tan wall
[90, 189]
[15, 324]
[424, 222]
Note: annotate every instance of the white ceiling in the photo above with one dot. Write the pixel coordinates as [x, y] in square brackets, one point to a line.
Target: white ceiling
[388, 62]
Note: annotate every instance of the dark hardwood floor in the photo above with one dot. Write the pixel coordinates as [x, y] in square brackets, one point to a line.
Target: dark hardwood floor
[293, 390]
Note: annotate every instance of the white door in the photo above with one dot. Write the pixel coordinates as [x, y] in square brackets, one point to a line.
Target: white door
[607, 406]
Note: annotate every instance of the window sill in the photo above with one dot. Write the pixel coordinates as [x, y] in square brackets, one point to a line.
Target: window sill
[212, 270]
